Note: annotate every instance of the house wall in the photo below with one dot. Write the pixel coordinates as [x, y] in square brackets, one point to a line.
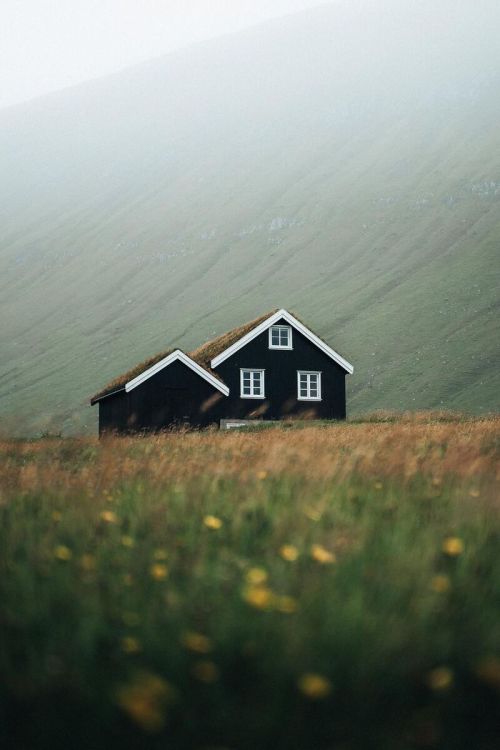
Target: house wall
[175, 395]
[113, 413]
[281, 367]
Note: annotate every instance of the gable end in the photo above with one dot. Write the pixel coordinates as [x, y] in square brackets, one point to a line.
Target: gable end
[180, 356]
[291, 320]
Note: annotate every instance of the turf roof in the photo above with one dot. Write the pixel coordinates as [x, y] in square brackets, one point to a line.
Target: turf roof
[202, 355]
[207, 352]
[118, 383]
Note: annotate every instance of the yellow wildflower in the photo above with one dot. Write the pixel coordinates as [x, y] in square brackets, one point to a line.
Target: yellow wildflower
[127, 541]
[440, 678]
[109, 516]
[289, 552]
[130, 645]
[88, 563]
[488, 670]
[63, 553]
[262, 475]
[56, 516]
[256, 576]
[313, 514]
[205, 671]
[212, 522]
[158, 571]
[474, 493]
[453, 546]
[314, 686]
[378, 485]
[322, 555]
[259, 597]
[196, 642]
[145, 700]
[160, 554]
[286, 604]
[441, 584]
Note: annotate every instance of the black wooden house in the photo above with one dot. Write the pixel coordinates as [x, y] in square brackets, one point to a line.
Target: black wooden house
[271, 368]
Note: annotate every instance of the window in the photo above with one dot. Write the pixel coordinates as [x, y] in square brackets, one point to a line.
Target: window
[252, 383]
[309, 386]
[280, 337]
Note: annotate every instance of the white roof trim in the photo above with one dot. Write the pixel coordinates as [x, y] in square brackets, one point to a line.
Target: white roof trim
[283, 315]
[181, 357]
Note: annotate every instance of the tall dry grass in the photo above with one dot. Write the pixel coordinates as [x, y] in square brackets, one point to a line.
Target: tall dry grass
[468, 451]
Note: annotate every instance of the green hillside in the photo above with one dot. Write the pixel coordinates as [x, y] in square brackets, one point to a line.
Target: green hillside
[354, 180]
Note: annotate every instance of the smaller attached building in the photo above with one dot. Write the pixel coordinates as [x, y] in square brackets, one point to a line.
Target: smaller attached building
[271, 368]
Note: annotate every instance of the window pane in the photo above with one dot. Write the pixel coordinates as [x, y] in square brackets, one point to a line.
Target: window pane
[280, 336]
[309, 385]
[252, 383]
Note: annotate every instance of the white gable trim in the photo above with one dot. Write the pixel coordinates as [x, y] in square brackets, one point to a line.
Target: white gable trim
[181, 357]
[283, 315]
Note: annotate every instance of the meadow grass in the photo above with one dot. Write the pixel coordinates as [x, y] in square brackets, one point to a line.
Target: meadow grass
[329, 587]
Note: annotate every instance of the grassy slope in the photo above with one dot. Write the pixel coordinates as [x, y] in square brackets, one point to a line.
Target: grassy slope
[107, 566]
[181, 198]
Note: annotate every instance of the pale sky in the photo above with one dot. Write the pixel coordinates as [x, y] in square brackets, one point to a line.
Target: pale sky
[46, 45]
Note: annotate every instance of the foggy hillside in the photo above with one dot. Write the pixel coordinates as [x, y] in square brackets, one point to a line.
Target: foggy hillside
[341, 162]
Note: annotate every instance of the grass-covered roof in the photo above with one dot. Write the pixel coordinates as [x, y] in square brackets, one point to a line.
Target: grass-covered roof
[205, 353]
[202, 355]
[118, 383]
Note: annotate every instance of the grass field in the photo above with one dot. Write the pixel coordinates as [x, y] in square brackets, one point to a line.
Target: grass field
[328, 587]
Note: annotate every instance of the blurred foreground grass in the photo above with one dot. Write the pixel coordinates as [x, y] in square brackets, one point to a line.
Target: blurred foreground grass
[330, 587]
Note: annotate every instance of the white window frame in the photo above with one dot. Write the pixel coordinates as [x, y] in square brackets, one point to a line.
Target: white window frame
[253, 370]
[274, 346]
[308, 397]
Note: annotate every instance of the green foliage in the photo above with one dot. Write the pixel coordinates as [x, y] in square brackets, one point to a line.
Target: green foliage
[258, 612]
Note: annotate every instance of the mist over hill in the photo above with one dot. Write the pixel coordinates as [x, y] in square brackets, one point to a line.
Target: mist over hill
[342, 162]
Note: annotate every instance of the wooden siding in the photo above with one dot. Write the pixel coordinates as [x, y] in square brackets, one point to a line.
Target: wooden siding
[176, 395]
[281, 366]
